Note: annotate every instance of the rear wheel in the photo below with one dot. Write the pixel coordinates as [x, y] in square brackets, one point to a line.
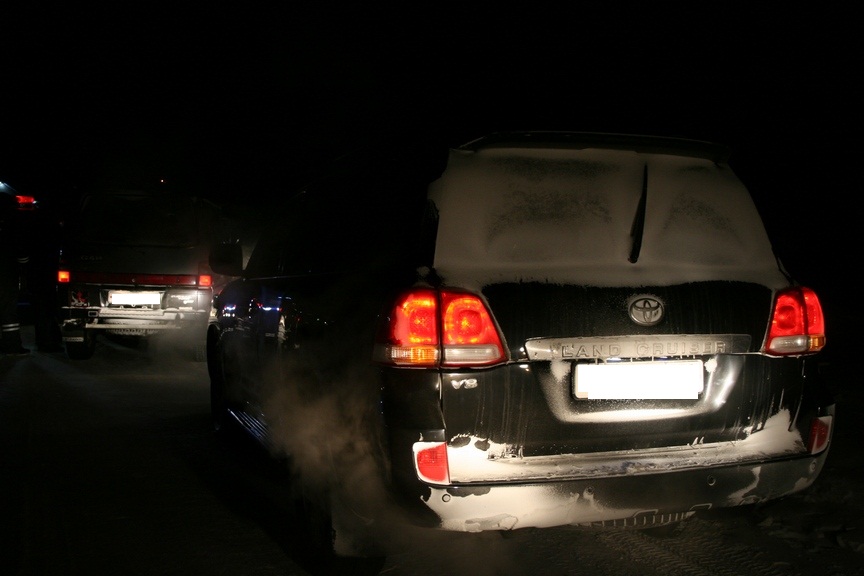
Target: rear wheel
[218, 400]
[218, 405]
[82, 350]
[198, 340]
[316, 540]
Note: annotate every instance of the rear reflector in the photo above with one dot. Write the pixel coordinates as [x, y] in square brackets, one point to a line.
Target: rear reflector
[820, 434]
[430, 461]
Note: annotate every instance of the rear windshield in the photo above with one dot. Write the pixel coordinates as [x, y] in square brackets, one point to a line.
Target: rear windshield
[139, 220]
[597, 217]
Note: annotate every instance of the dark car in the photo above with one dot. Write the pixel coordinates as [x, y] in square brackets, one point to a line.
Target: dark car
[135, 264]
[26, 208]
[529, 330]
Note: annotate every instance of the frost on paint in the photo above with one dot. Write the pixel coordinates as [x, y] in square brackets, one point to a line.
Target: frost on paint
[476, 459]
[539, 505]
[567, 215]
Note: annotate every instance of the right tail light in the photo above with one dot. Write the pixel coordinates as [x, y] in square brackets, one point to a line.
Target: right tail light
[797, 323]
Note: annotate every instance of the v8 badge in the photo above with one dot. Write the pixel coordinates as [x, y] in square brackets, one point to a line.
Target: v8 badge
[464, 383]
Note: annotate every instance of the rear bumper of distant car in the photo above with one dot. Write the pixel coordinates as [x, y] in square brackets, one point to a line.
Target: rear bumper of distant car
[626, 501]
[186, 308]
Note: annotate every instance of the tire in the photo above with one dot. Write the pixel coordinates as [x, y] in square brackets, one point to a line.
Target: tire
[316, 538]
[82, 350]
[218, 405]
[218, 401]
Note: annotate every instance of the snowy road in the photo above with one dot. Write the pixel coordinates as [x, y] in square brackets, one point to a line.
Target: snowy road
[109, 466]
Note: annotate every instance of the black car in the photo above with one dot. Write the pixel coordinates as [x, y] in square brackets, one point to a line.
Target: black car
[26, 208]
[528, 330]
[135, 264]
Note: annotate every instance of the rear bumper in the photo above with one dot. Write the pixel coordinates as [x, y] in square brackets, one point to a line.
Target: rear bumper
[642, 500]
[128, 322]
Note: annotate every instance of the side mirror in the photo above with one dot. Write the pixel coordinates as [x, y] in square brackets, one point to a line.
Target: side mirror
[227, 259]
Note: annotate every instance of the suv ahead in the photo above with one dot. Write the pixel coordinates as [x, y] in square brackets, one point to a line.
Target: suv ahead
[135, 264]
[530, 330]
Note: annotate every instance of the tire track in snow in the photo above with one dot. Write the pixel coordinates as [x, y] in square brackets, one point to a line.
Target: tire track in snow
[698, 550]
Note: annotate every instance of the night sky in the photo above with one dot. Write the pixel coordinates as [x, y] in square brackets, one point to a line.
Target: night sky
[238, 101]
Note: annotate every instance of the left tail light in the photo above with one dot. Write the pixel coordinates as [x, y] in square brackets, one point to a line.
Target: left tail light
[797, 323]
[820, 434]
[447, 328]
[63, 276]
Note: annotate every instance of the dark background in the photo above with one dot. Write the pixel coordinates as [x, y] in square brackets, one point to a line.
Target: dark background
[242, 103]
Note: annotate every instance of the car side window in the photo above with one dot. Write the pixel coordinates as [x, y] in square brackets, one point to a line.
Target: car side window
[373, 214]
[267, 258]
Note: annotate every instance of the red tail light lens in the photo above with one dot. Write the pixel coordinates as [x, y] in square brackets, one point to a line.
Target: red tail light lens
[205, 280]
[411, 336]
[430, 461]
[820, 434]
[797, 323]
[470, 336]
[63, 276]
[427, 328]
[25, 202]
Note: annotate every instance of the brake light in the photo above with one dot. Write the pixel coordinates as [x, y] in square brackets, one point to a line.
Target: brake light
[25, 202]
[426, 328]
[470, 336]
[63, 276]
[797, 323]
[430, 462]
[410, 337]
[205, 280]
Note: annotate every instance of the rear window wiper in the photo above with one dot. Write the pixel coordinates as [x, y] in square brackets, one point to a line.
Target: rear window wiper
[638, 228]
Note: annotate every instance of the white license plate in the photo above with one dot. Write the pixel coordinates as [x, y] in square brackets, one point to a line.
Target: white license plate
[126, 298]
[670, 380]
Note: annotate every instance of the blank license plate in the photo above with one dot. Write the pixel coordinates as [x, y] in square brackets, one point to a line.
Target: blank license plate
[123, 298]
[671, 380]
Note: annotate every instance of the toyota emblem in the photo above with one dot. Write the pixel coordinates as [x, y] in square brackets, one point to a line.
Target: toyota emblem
[645, 310]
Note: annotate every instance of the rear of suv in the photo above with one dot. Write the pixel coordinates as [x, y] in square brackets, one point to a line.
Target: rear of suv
[134, 264]
[530, 330]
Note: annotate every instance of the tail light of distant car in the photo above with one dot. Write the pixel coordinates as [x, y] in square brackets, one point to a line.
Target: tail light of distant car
[797, 323]
[25, 202]
[447, 328]
[63, 276]
[205, 275]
